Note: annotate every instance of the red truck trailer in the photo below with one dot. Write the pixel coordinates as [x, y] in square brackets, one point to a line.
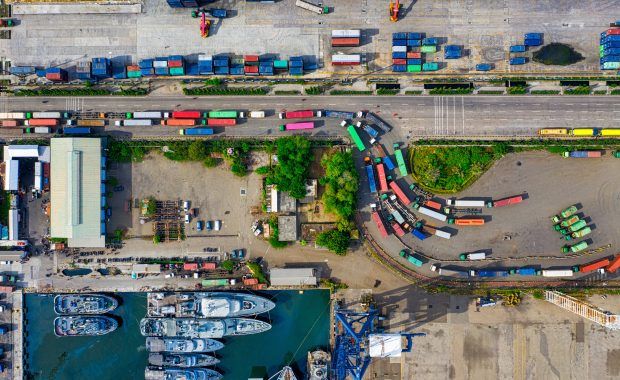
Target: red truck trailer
[399, 193]
[594, 266]
[380, 226]
[222, 122]
[185, 114]
[506, 201]
[297, 114]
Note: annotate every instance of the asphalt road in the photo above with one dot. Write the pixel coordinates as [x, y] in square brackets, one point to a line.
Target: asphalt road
[409, 115]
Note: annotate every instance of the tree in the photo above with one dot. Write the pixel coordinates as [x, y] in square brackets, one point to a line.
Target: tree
[239, 169]
[228, 265]
[210, 162]
[336, 241]
[156, 239]
[197, 151]
[341, 183]
[294, 158]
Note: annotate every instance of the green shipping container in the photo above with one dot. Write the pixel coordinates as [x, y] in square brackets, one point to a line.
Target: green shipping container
[428, 49]
[430, 66]
[216, 282]
[237, 61]
[134, 74]
[177, 71]
[223, 114]
[280, 64]
[414, 68]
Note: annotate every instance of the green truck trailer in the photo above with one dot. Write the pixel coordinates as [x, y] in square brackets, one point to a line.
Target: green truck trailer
[575, 247]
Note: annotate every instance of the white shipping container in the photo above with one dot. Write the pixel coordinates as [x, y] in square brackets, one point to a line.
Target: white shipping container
[38, 182]
[469, 203]
[147, 115]
[309, 6]
[46, 115]
[349, 33]
[42, 130]
[38, 168]
[443, 234]
[346, 58]
[160, 64]
[399, 49]
[557, 273]
[476, 256]
[137, 122]
[257, 114]
[432, 214]
[12, 115]
[204, 57]
[398, 217]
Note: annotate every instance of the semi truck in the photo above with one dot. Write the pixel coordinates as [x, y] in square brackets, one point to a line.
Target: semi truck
[339, 114]
[299, 114]
[296, 126]
[448, 272]
[15, 115]
[196, 132]
[356, 138]
[402, 167]
[524, 271]
[419, 234]
[557, 273]
[134, 123]
[257, 114]
[50, 115]
[465, 203]
[432, 213]
[488, 273]
[90, 122]
[583, 154]
[186, 114]
[472, 256]
[375, 216]
[566, 222]
[376, 120]
[466, 221]
[383, 187]
[564, 214]
[506, 201]
[147, 115]
[311, 7]
[575, 247]
[397, 216]
[411, 258]
[76, 131]
[370, 130]
[613, 265]
[380, 152]
[586, 268]
[38, 130]
[399, 193]
[434, 231]
[41, 122]
[224, 114]
[398, 230]
[177, 122]
[370, 173]
[579, 233]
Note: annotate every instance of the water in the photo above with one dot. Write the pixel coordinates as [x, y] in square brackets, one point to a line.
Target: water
[300, 323]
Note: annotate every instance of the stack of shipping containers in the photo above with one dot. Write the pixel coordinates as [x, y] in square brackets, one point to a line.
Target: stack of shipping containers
[56, 74]
[407, 50]
[182, 3]
[146, 67]
[101, 68]
[205, 64]
[133, 71]
[160, 65]
[25, 70]
[610, 49]
[221, 65]
[296, 66]
[251, 64]
[176, 65]
[82, 70]
[346, 38]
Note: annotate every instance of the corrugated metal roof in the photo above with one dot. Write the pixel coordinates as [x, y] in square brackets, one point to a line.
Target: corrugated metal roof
[13, 224]
[76, 191]
[11, 175]
[21, 151]
[292, 276]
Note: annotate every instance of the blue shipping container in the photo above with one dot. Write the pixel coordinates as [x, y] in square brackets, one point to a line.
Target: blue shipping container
[612, 51]
[611, 37]
[399, 36]
[40, 73]
[82, 76]
[147, 72]
[611, 44]
[429, 41]
[219, 62]
[296, 71]
[532, 42]
[414, 61]
[484, 67]
[419, 234]
[53, 70]
[388, 162]
[175, 58]
[221, 70]
[399, 68]
[236, 70]
[518, 61]
[399, 42]
[533, 36]
[526, 271]
[192, 69]
[311, 66]
[517, 48]
[414, 43]
[296, 64]
[161, 71]
[22, 70]
[399, 55]
[145, 64]
[414, 36]
[452, 48]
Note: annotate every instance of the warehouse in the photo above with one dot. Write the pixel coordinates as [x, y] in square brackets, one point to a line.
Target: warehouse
[76, 192]
[292, 277]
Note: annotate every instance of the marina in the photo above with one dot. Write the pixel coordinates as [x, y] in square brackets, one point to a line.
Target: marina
[300, 323]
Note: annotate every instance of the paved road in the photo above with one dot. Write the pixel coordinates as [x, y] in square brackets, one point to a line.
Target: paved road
[410, 115]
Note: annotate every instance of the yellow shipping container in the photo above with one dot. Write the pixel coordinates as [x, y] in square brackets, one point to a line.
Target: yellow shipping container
[610, 132]
[553, 131]
[583, 132]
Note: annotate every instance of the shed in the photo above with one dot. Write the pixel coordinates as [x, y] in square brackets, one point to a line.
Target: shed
[293, 277]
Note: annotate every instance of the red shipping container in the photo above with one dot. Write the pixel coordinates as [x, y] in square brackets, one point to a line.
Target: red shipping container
[9, 123]
[345, 63]
[345, 42]
[190, 266]
[399, 61]
[133, 68]
[299, 114]
[508, 201]
[380, 226]
[179, 122]
[615, 264]
[42, 122]
[186, 115]
[414, 55]
[208, 266]
[611, 31]
[594, 266]
[221, 122]
[433, 204]
[54, 76]
[250, 281]
[250, 58]
[175, 63]
[250, 69]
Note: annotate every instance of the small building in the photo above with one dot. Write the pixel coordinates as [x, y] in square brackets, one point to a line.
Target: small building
[274, 199]
[293, 277]
[287, 204]
[287, 228]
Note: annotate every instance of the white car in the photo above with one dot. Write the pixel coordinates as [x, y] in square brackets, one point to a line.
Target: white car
[186, 218]
[218, 225]
[186, 206]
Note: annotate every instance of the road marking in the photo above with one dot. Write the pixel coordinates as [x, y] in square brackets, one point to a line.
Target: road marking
[535, 110]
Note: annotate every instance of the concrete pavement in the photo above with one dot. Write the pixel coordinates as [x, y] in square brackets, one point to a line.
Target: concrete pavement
[411, 116]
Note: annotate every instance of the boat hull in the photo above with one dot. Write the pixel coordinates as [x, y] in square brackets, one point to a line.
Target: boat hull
[201, 328]
[179, 345]
[84, 304]
[95, 325]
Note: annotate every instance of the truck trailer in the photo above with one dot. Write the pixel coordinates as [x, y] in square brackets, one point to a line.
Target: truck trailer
[312, 7]
[196, 132]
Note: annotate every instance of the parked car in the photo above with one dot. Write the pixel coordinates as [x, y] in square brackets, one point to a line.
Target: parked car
[186, 218]
[199, 225]
[209, 225]
[218, 225]
[186, 206]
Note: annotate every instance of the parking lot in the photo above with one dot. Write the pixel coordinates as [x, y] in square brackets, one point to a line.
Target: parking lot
[216, 194]
[484, 28]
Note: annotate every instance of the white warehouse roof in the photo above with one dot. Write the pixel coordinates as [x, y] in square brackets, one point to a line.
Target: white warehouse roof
[292, 277]
[11, 175]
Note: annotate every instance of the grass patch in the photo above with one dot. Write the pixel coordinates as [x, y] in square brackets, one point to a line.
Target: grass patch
[349, 92]
[451, 91]
[557, 54]
[257, 272]
[600, 92]
[615, 92]
[451, 169]
[517, 90]
[63, 92]
[545, 92]
[490, 92]
[225, 91]
[581, 90]
[287, 92]
[387, 91]
[315, 90]
[414, 92]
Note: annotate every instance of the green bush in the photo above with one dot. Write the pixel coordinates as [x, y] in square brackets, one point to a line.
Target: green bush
[387, 91]
[134, 92]
[239, 169]
[315, 90]
[615, 91]
[600, 92]
[213, 82]
[294, 159]
[490, 92]
[62, 92]
[225, 91]
[414, 92]
[275, 235]
[287, 92]
[211, 162]
[228, 265]
[257, 272]
[341, 182]
[263, 170]
[581, 90]
[545, 92]
[539, 294]
[349, 92]
[197, 151]
[451, 91]
[336, 241]
[333, 285]
[517, 90]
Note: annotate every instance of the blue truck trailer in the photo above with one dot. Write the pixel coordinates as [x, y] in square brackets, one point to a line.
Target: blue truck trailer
[370, 130]
[488, 273]
[419, 234]
[374, 119]
[196, 132]
[76, 131]
[518, 61]
[484, 67]
[372, 184]
[339, 114]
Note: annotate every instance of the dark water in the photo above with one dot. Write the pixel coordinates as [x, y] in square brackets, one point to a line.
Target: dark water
[557, 54]
[300, 323]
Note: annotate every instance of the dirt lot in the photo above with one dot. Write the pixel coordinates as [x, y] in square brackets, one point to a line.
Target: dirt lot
[550, 183]
[217, 194]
